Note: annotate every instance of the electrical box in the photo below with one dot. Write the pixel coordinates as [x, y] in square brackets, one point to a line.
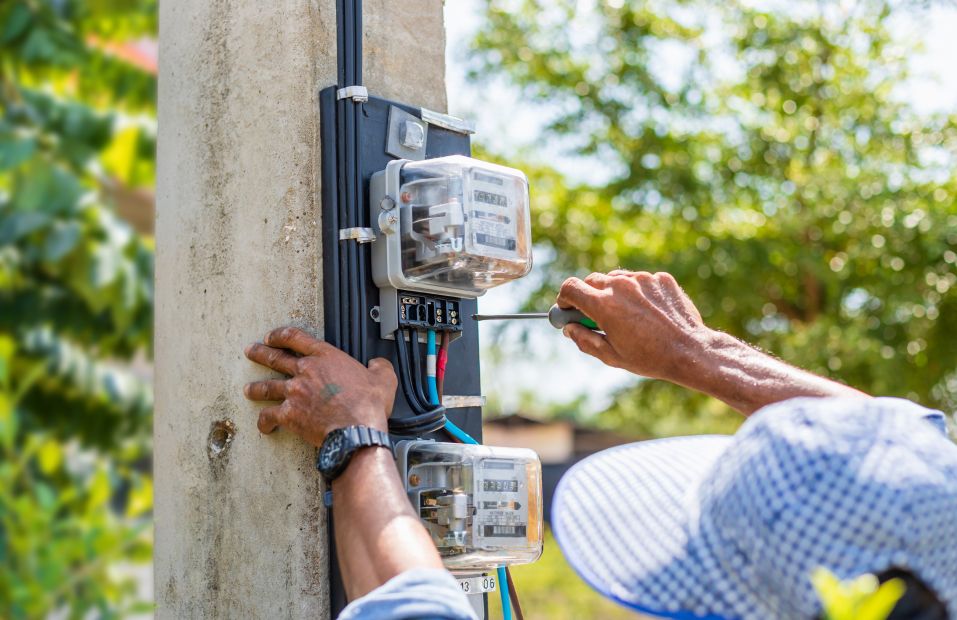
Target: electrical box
[451, 226]
[413, 232]
[482, 505]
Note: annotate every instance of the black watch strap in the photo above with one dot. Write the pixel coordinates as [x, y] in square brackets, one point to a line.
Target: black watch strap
[353, 439]
[363, 437]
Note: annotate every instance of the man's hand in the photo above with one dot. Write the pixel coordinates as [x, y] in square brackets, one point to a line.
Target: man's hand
[327, 389]
[653, 329]
[377, 533]
[651, 326]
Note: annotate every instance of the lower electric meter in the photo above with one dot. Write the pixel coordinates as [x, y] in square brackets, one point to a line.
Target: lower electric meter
[482, 505]
[451, 225]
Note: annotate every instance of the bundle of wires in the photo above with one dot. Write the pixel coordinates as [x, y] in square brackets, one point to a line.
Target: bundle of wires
[428, 415]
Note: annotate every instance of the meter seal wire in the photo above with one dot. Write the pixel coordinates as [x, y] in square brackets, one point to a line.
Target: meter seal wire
[503, 576]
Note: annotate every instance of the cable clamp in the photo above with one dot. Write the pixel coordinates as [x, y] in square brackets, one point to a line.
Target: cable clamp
[360, 235]
[460, 402]
[356, 93]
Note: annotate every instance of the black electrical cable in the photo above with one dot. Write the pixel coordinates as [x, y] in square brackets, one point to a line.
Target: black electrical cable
[417, 366]
[352, 249]
[357, 42]
[402, 353]
[345, 271]
[361, 217]
[362, 251]
[421, 427]
[427, 418]
[353, 333]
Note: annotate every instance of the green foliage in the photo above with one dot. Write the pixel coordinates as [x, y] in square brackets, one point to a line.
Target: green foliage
[777, 173]
[61, 535]
[863, 598]
[76, 305]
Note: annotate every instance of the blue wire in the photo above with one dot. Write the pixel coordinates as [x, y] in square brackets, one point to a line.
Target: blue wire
[458, 433]
[503, 591]
[464, 437]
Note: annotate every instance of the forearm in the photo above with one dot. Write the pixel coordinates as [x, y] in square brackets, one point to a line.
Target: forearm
[747, 379]
[378, 535]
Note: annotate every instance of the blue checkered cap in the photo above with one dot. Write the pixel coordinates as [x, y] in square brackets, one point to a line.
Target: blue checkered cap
[733, 527]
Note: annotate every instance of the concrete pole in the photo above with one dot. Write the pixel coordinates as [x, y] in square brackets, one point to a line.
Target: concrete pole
[240, 526]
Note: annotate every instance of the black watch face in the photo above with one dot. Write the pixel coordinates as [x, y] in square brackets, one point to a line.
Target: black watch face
[332, 452]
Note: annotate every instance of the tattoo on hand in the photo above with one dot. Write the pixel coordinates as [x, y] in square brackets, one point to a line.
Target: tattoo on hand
[329, 390]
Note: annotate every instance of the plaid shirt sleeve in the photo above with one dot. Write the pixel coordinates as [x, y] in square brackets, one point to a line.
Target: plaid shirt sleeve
[426, 594]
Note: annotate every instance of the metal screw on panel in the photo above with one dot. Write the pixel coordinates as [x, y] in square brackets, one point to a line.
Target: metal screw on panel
[374, 313]
[387, 203]
[412, 135]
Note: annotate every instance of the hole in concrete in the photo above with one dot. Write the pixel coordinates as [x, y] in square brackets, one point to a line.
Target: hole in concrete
[220, 437]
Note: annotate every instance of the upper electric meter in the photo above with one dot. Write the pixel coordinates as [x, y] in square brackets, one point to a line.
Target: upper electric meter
[451, 225]
[482, 505]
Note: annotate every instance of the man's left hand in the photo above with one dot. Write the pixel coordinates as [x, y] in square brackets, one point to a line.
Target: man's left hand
[326, 390]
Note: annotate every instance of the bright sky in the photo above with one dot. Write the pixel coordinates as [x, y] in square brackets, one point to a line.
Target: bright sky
[548, 363]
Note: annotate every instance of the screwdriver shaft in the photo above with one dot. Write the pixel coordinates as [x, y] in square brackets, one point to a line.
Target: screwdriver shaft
[506, 317]
[558, 317]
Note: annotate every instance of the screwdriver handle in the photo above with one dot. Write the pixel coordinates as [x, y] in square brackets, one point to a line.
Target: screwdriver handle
[560, 317]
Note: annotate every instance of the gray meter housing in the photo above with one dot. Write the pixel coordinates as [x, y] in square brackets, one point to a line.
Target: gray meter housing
[450, 226]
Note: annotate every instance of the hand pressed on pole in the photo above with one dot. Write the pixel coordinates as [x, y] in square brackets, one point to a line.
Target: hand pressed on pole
[328, 389]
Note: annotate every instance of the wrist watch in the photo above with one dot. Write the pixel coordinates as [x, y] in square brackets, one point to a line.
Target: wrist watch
[339, 446]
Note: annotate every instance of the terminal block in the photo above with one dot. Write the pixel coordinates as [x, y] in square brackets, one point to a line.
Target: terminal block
[429, 312]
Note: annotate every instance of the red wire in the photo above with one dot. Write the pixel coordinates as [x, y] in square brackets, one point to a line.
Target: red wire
[440, 362]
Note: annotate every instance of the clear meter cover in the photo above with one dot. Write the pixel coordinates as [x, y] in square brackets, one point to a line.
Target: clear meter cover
[464, 223]
[482, 505]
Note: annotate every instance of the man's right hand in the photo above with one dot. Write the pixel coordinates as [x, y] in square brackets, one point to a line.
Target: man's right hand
[651, 326]
[652, 329]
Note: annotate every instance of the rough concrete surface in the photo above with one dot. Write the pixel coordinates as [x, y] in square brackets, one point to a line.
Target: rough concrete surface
[240, 527]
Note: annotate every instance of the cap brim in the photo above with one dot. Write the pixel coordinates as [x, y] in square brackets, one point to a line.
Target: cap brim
[621, 518]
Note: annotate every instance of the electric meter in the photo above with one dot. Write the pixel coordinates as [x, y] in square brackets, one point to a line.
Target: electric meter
[452, 226]
[482, 505]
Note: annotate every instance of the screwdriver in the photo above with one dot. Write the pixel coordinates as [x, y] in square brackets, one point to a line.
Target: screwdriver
[558, 317]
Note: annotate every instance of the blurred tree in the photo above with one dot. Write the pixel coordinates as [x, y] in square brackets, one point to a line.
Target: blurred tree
[76, 299]
[767, 160]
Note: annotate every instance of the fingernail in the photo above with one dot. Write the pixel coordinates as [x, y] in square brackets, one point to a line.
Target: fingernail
[246, 390]
[248, 348]
[566, 332]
